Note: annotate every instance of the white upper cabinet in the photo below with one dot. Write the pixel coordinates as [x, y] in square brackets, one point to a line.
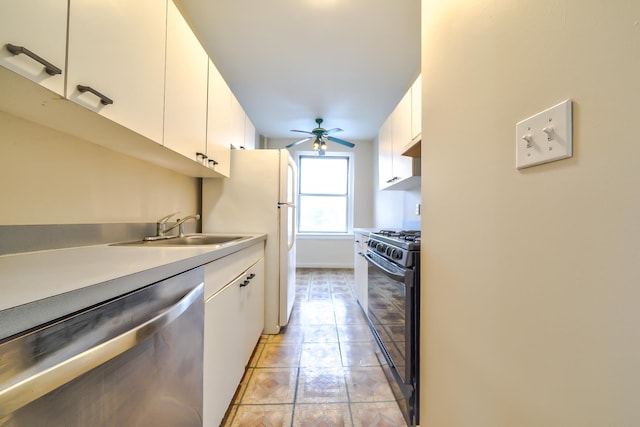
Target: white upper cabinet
[401, 119]
[236, 135]
[416, 109]
[219, 122]
[396, 171]
[36, 32]
[385, 154]
[116, 61]
[249, 134]
[185, 108]
[147, 86]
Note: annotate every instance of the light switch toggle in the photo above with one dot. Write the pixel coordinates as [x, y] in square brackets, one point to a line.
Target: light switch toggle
[554, 125]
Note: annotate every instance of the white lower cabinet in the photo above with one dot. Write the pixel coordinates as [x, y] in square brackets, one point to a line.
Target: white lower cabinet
[234, 319]
[360, 267]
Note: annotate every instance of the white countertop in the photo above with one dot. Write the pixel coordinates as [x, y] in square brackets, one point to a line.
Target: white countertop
[44, 285]
[365, 231]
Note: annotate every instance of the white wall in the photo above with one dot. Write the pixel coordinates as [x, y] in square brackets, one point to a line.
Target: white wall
[325, 252]
[530, 278]
[334, 251]
[52, 178]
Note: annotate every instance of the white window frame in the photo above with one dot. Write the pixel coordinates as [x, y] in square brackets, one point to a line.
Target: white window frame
[350, 186]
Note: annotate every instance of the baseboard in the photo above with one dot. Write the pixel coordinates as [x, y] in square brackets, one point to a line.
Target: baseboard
[324, 265]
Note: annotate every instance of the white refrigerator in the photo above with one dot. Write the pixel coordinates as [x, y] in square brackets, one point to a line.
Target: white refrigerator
[259, 197]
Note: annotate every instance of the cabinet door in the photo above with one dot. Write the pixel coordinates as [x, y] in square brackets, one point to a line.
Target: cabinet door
[401, 117]
[416, 108]
[360, 269]
[385, 154]
[223, 342]
[249, 134]
[252, 297]
[237, 123]
[219, 122]
[185, 105]
[39, 26]
[234, 319]
[117, 48]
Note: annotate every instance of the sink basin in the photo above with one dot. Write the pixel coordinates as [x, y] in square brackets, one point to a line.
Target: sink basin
[188, 240]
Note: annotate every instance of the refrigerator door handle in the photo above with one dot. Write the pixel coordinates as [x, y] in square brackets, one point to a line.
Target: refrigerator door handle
[292, 223]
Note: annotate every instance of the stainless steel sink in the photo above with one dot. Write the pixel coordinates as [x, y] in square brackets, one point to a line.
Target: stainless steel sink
[188, 240]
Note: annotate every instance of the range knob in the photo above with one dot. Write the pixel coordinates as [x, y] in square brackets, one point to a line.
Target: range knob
[396, 254]
[380, 247]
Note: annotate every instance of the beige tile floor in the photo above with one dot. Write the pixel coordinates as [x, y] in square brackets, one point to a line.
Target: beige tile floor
[322, 369]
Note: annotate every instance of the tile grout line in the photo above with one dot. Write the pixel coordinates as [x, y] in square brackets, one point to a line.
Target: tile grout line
[336, 301]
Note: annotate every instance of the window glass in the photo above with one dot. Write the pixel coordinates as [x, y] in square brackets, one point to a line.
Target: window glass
[323, 214]
[324, 175]
[324, 196]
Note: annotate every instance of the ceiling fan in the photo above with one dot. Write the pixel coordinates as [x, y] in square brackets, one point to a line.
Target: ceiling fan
[321, 135]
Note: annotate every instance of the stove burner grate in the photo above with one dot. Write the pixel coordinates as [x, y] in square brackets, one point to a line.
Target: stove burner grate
[407, 235]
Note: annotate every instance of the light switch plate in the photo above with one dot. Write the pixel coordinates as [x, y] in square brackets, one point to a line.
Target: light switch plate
[545, 137]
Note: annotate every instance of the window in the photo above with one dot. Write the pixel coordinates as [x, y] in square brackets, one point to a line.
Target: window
[325, 187]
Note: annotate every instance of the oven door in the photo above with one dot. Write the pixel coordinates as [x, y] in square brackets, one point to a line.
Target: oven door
[391, 301]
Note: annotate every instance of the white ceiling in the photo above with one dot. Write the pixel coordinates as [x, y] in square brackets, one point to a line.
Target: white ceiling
[290, 61]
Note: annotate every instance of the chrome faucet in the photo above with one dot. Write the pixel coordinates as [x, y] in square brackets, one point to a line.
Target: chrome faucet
[180, 224]
[161, 225]
[162, 230]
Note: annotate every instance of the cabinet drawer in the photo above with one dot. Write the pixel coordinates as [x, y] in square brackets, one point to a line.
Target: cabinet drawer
[222, 271]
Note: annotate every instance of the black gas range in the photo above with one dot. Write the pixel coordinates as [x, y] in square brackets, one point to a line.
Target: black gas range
[393, 310]
[400, 247]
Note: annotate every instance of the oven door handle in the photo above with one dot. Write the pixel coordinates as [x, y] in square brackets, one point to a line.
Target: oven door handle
[391, 274]
[14, 395]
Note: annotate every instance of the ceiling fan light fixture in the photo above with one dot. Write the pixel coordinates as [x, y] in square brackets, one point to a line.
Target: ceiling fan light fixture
[321, 136]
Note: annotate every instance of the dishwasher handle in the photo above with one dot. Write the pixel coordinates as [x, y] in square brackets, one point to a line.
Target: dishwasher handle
[15, 395]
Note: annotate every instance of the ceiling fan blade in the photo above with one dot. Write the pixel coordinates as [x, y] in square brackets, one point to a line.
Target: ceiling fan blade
[332, 130]
[302, 131]
[341, 141]
[293, 144]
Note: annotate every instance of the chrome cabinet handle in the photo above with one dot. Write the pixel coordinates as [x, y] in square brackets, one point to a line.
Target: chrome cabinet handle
[14, 395]
[104, 100]
[51, 69]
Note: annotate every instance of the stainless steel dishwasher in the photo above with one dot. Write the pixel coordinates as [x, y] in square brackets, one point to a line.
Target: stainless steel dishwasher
[135, 360]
